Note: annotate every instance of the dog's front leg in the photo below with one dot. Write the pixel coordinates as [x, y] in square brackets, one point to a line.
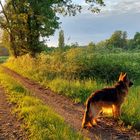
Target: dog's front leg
[116, 111]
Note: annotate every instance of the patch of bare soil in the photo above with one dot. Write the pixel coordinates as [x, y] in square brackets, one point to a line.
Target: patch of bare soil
[107, 128]
[9, 125]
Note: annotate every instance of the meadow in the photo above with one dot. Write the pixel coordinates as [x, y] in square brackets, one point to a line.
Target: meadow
[77, 72]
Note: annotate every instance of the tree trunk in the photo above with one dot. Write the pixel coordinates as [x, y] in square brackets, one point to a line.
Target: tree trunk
[14, 49]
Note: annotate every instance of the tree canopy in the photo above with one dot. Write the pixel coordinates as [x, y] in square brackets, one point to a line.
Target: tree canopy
[26, 22]
[118, 39]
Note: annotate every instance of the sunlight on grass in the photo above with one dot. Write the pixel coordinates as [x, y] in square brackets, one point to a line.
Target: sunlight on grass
[75, 89]
[130, 109]
[41, 122]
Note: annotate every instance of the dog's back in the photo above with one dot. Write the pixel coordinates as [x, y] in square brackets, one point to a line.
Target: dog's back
[104, 95]
[110, 95]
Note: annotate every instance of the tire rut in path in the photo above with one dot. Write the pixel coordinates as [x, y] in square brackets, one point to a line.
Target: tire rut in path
[107, 129]
[9, 125]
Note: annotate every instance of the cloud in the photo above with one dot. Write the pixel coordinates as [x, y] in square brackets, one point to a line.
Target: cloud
[120, 7]
[115, 7]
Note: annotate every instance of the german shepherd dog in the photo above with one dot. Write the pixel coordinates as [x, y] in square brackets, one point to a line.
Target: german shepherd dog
[112, 97]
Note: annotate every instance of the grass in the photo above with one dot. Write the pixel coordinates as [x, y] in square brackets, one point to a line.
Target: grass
[130, 109]
[77, 72]
[3, 59]
[40, 121]
[77, 90]
[78, 64]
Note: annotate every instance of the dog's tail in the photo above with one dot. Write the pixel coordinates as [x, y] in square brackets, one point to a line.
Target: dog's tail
[86, 118]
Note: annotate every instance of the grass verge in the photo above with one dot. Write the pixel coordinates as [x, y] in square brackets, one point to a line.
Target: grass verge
[41, 122]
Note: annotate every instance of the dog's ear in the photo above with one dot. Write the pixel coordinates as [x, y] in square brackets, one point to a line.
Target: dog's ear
[124, 77]
[121, 76]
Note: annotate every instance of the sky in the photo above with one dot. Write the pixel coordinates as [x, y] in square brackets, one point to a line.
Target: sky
[86, 27]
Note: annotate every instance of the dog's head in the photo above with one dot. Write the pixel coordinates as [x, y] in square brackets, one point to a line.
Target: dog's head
[125, 79]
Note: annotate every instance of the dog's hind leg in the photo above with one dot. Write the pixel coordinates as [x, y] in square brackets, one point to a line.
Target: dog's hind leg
[95, 113]
[87, 118]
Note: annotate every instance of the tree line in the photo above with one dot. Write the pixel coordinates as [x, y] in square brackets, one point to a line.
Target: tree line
[117, 40]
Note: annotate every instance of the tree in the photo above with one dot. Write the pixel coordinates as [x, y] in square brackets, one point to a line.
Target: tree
[61, 43]
[26, 21]
[118, 39]
[91, 46]
[124, 39]
[136, 40]
[5, 23]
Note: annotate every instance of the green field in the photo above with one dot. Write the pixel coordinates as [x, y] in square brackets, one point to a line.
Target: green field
[77, 72]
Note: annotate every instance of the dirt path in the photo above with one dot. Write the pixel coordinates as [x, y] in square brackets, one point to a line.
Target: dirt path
[107, 129]
[9, 125]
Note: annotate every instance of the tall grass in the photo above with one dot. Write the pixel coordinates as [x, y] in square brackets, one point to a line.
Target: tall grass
[40, 121]
[130, 109]
[78, 64]
[77, 72]
[76, 89]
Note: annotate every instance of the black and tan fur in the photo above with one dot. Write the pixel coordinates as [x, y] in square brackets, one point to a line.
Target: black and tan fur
[112, 97]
